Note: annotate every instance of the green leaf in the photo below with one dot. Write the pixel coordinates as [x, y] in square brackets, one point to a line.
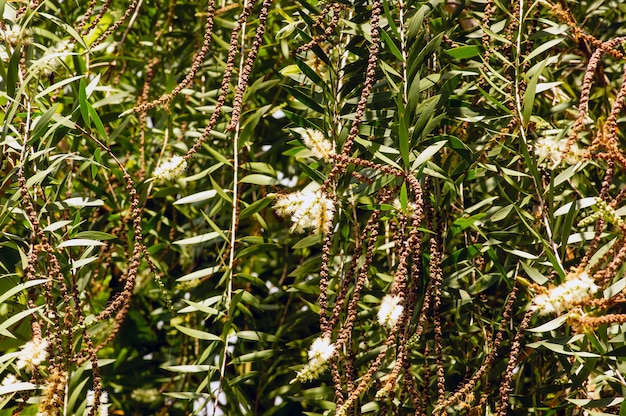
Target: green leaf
[305, 98]
[308, 241]
[13, 319]
[256, 250]
[310, 73]
[58, 85]
[529, 94]
[203, 306]
[57, 225]
[197, 334]
[419, 54]
[83, 104]
[198, 274]
[80, 242]
[520, 253]
[255, 207]
[403, 135]
[256, 336]
[19, 386]
[390, 44]
[567, 174]
[464, 52]
[534, 273]
[550, 326]
[189, 368]
[94, 235]
[98, 123]
[254, 356]
[259, 179]
[597, 403]
[614, 289]
[20, 287]
[404, 196]
[543, 48]
[197, 197]
[41, 125]
[576, 205]
[425, 112]
[427, 153]
[83, 262]
[80, 202]
[202, 238]
[92, 85]
[12, 74]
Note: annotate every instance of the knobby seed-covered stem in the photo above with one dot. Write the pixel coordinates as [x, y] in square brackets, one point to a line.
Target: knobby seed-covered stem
[228, 71]
[416, 239]
[131, 8]
[336, 9]
[197, 61]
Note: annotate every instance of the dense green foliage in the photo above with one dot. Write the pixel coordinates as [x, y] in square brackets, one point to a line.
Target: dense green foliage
[302, 207]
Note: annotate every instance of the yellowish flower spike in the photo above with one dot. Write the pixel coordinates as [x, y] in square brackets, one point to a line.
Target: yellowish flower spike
[552, 152]
[32, 355]
[170, 170]
[576, 288]
[307, 209]
[321, 147]
[319, 353]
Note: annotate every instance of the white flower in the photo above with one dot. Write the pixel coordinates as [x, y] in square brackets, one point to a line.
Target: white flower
[573, 155]
[50, 61]
[550, 150]
[319, 353]
[390, 311]
[13, 33]
[103, 409]
[307, 209]
[410, 210]
[145, 395]
[321, 349]
[9, 380]
[318, 144]
[170, 170]
[543, 303]
[576, 288]
[33, 353]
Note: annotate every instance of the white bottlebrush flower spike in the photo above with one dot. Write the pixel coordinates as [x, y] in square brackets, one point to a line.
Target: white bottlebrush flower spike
[576, 288]
[170, 169]
[321, 147]
[390, 311]
[410, 211]
[319, 353]
[552, 152]
[321, 349]
[33, 353]
[51, 60]
[307, 209]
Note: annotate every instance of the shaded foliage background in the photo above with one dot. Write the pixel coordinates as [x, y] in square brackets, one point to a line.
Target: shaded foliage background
[191, 296]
